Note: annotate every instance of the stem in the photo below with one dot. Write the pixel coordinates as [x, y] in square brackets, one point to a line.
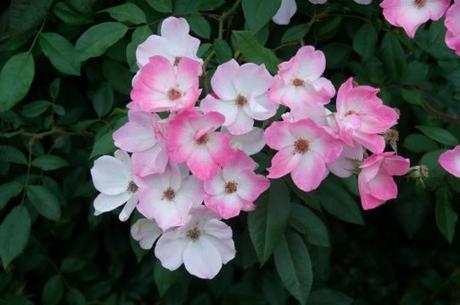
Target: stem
[38, 34]
[224, 16]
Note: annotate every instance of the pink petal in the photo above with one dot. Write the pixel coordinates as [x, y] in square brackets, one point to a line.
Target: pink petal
[450, 161]
[310, 171]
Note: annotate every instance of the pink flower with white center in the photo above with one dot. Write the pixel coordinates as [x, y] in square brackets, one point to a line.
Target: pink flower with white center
[250, 143]
[453, 27]
[143, 136]
[168, 197]
[375, 181]
[240, 95]
[113, 178]
[192, 138]
[348, 162]
[174, 43]
[362, 117]
[146, 232]
[160, 86]
[304, 149]
[299, 83]
[202, 245]
[450, 161]
[411, 14]
[235, 187]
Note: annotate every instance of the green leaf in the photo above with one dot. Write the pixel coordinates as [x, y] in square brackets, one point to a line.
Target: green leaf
[308, 224]
[14, 234]
[413, 97]
[118, 76]
[430, 159]
[292, 261]
[44, 202]
[34, 109]
[200, 25]
[49, 162]
[70, 14]
[12, 154]
[127, 12]
[139, 35]
[254, 52]
[75, 297]
[337, 55]
[223, 50]
[296, 32]
[269, 221]
[16, 78]
[418, 143]
[102, 99]
[72, 264]
[61, 53]
[8, 191]
[162, 6]
[414, 73]
[103, 145]
[393, 56]
[365, 40]
[164, 279]
[53, 291]
[439, 135]
[328, 297]
[338, 202]
[446, 217]
[98, 38]
[258, 13]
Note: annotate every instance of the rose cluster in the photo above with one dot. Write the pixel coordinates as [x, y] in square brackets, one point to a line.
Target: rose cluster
[408, 14]
[185, 166]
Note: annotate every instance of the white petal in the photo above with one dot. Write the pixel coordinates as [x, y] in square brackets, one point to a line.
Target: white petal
[285, 12]
[251, 142]
[146, 232]
[170, 248]
[202, 259]
[110, 175]
[104, 203]
[128, 208]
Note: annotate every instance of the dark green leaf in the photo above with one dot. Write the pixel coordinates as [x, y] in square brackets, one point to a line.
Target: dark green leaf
[365, 40]
[49, 162]
[393, 56]
[102, 99]
[294, 267]
[259, 12]
[269, 221]
[14, 234]
[162, 6]
[328, 297]
[44, 202]
[446, 217]
[200, 26]
[103, 145]
[164, 279]
[419, 143]
[140, 34]
[15, 79]
[127, 12]
[439, 135]
[61, 53]
[53, 291]
[98, 38]
[75, 297]
[12, 154]
[8, 191]
[296, 32]
[223, 50]
[36, 108]
[118, 76]
[309, 225]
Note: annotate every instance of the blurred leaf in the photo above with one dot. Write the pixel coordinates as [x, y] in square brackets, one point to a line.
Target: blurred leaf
[200, 25]
[164, 279]
[36, 108]
[337, 54]
[393, 56]
[102, 99]
[53, 291]
[75, 297]
[98, 38]
[338, 202]
[162, 6]
[8, 191]
[365, 40]
[72, 14]
[103, 145]
[259, 12]
[44, 202]
[294, 267]
[446, 217]
[296, 32]
[254, 52]
[72, 264]
[118, 76]
[49, 162]
[328, 297]
[418, 143]
[439, 135]
[14, 234]
[16, 78]
[223, 50]
[269, 221]
[127, 12]
[12, 154]
[60, 52]
[308, 224]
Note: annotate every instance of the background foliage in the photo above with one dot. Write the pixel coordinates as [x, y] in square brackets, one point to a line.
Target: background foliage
[64, 83]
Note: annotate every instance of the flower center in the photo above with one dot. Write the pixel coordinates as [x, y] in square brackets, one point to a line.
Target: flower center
[301, 146]
[132, 187]
[241, 101]
[420, 3]
[177, 60]
[194, 234]
[174, 94]
[350, 112]
[203, 139]
[298, 82]
[169, 194]
[231, 187]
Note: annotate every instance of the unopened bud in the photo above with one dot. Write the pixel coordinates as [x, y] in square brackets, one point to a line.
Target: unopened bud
[392, 138]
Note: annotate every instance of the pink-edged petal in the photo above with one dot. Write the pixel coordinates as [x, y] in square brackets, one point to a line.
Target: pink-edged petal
[396, 165]
[218, 145]
[242, 124]
[252, 80]
[227, 108]
[374, 142]
[202, 164]
[251, 186]
[202, 259]
[309, 172]
[188, 72]
[284, 162]
[151, 161]
[450, 161]
[215, 185]
[170, 248]
[221, 81]
[278, 135]
[383, 187]
[225, 205]
[250, 143]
